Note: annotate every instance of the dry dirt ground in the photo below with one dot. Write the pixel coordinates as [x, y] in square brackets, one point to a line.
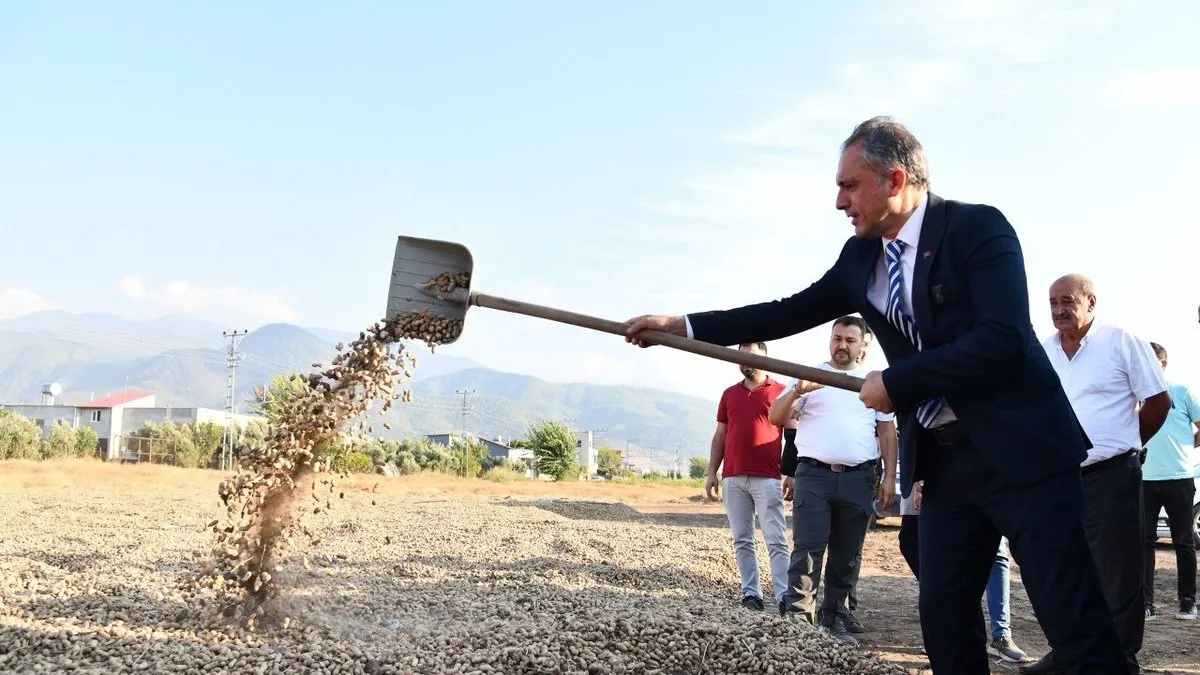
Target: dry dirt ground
[431, 574]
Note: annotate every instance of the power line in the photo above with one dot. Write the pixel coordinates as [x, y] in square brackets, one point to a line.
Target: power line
[232, 357]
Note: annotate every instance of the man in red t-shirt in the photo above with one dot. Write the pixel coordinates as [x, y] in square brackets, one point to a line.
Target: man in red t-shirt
[750, 447]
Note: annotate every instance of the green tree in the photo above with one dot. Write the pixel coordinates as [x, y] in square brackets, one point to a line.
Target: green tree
[272, 399]
[698, 467]
[473, 454]
[61, 442]
[608, 461]
[20, 437]
[250, 435]
[87, 442]
[554, 448]
[354, 461]
[206, 439]
[406, 463]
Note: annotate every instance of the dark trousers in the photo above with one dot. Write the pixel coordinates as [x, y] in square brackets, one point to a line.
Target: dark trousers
[830, 510]
[967, 507]
[910, 549]
[1176, 496]
[910, 543]
[1112, 494]
[852, 599]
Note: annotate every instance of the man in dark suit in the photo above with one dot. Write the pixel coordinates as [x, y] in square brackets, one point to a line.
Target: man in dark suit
[984, 419]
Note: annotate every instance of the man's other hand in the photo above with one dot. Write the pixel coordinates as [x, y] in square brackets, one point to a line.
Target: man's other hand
[874, 395]
[789, 485]
[667, 324]
[712, 489]
[886, 493]
[916, 489]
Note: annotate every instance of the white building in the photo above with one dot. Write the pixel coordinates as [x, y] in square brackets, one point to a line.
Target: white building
[586, 452]
[115, 417]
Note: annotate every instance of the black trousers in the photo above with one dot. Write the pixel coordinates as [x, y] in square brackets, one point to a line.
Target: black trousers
[967, 507]
[1176, 496]
[910, 543]
[852, 600]
[830, 512]
[1112, 494]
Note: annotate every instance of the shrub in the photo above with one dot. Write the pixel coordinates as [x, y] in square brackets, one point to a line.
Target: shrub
[504, 474]
[87, 442]
[354, 461]
[406, 464]
[20, 437]
[61, 442]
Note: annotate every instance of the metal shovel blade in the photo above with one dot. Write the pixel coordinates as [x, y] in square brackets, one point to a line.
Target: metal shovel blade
[419, 260]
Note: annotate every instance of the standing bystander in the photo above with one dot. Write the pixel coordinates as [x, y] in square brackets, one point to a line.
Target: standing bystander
[834, 487]
[1169, 484]
[1106, 372]
[749, 447]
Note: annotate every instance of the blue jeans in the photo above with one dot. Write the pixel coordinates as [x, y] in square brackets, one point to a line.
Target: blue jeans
[997, 593]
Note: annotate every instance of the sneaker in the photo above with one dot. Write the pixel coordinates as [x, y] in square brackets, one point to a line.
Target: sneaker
[753, 602]
[838, 630]
[1151, 613]
[1007, 650]
[1187, 612]
[853, 624]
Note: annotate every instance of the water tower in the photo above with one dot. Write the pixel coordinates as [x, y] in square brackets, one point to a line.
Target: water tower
[50, 392]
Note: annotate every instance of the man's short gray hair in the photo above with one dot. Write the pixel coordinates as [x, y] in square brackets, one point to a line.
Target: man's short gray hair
[887, 145]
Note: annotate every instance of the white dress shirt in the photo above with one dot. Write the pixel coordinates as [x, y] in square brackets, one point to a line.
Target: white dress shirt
[1110, 375]
[877, 294]
[833, 425]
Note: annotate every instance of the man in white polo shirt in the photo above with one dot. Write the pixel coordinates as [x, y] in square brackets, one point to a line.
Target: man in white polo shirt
[1106, 372]
[834, 487]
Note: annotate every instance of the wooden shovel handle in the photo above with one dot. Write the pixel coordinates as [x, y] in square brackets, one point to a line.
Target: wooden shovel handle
[821, 376]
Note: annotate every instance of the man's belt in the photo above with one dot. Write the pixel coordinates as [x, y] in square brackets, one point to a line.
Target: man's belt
[1114, 460]
[839, 468]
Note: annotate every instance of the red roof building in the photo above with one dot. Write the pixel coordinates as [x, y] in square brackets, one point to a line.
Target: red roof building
[116, 400]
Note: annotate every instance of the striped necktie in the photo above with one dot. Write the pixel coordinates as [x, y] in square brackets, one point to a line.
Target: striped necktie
[928, 410]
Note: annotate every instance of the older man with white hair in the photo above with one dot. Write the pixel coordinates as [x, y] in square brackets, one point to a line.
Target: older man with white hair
[1117, 389]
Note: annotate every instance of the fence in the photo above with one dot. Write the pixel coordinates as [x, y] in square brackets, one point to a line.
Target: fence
[152, 450]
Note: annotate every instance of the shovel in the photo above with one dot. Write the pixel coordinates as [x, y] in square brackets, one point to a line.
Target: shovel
[419, 260]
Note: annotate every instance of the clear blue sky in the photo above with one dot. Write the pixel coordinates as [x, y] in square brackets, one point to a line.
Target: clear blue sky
[255, 163]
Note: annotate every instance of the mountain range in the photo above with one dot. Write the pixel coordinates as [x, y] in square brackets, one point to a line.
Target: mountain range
[184, 362]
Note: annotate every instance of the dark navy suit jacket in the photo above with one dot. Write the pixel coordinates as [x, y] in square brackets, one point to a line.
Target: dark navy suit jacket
[971, 305]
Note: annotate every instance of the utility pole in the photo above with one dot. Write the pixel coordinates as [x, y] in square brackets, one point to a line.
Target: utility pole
[465, 408]
[232, 357]
[625, 457]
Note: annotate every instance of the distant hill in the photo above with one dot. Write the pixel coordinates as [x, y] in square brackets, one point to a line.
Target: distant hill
[184, 362]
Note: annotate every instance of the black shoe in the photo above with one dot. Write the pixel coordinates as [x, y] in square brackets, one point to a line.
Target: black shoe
[1187, 611]
[853, 624]
[838, 630]
[1046, 665]
[753, 602]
